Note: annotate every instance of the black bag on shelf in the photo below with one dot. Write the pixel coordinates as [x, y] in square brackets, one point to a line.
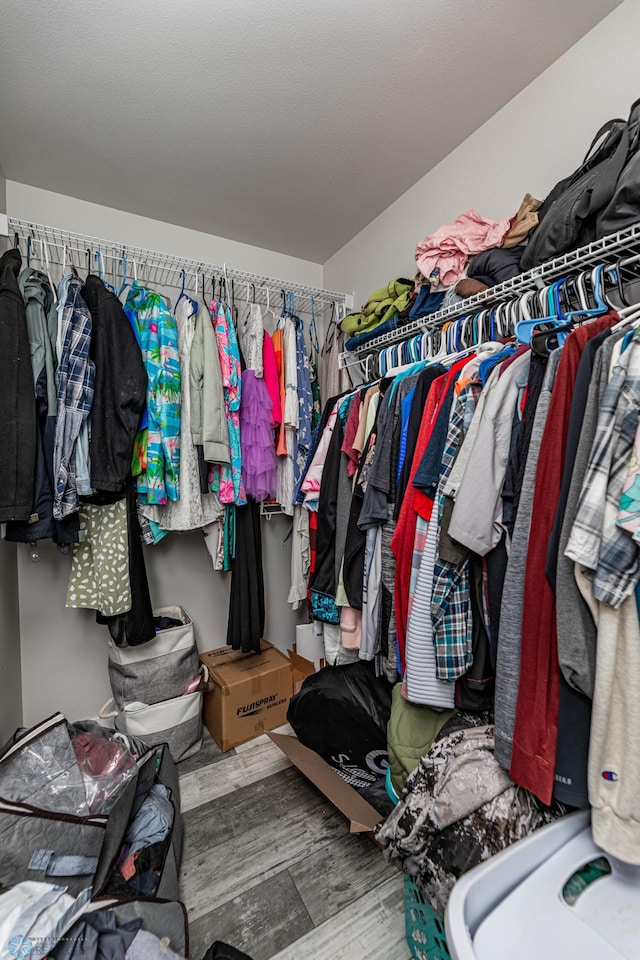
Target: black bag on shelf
[624, 207]
[342, 713]
[568, 216]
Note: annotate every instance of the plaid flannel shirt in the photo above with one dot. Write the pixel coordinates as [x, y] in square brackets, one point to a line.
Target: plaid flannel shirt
[596, 542]
[450, 598]
[75, 378]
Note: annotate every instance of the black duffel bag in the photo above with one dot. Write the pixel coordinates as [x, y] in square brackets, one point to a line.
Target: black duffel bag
[569, 215]
[624, 207]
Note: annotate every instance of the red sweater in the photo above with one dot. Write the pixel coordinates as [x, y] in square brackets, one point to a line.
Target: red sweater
[535, 735]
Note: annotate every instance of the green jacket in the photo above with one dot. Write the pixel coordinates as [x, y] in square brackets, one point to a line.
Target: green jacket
[382, 305]
[208, 417]
[410, 732]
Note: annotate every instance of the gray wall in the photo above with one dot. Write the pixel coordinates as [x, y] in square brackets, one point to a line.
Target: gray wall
[10, 677]
[64, 652]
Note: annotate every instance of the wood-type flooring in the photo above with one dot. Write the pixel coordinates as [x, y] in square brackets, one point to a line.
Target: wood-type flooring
[270, 867]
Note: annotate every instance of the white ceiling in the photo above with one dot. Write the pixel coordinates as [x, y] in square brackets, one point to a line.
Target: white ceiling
[282, 123]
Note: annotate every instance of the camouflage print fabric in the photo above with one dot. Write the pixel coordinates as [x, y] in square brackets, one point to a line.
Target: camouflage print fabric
[458, 808]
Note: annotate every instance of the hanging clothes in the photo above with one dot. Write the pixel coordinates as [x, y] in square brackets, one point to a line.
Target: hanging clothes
[99, 578]
[193, 509]
[75, 379]
[17, 397]
[226, 479]
[303, 433]
[137, 625]
[246, 604]
[250, 338]
[259, 466]
[42, 325]
[160, 480]
[120, 389]
[535, 733]
[209, 426]
[271, 379]
[287, 461]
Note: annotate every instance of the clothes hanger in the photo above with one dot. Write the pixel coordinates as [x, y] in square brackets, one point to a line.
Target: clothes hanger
[600, 304]
[45, 249]
[98, 259]
[183, 277]
[123, 261]
[67, 251]
[550, 302]
[314, 342]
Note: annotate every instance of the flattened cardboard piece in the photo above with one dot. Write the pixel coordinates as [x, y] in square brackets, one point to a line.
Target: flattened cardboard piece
[250, 695]
[302, 668]
[361, 815]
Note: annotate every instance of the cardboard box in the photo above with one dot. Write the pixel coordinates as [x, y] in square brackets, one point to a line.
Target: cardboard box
[302, 668]
[250, 695]
[361, 815]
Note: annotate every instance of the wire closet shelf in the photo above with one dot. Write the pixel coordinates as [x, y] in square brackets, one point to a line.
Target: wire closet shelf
[163, 269]
[607, 251]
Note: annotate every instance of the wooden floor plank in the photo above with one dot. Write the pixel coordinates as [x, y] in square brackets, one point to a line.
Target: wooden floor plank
[257, 804]
[266, 857]
[231, 773]
[264, 738]
[210, 752]
[211, 877]
[332, 878]
[371, 928]
[266, 919]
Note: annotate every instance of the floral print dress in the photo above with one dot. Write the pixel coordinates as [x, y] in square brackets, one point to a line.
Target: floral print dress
[160, 456]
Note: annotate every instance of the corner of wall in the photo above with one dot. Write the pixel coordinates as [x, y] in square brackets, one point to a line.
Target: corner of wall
[10, 657]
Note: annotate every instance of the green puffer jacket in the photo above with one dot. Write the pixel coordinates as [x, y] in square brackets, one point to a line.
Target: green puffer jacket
[410, 732]
[382, 305]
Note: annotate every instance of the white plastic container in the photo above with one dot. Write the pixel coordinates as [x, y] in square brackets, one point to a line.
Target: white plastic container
[513, 905]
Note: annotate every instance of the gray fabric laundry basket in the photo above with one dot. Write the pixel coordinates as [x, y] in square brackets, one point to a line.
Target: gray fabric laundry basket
[176, 722]
[158, 670]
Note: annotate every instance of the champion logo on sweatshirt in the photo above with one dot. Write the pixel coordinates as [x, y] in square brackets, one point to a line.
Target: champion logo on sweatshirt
[609, 775]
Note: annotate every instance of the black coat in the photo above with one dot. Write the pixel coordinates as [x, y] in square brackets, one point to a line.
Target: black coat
[17, 397]
[120, 388]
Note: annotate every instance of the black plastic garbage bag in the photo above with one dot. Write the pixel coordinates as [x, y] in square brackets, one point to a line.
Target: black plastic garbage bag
[342, 713]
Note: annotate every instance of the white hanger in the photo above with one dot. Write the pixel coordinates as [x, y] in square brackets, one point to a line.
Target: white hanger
[45, 249]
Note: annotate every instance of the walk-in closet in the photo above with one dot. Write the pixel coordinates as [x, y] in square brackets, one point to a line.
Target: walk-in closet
[320, 480]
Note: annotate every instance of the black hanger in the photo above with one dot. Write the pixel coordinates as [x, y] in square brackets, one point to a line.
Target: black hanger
[621, 291]
[544, 341]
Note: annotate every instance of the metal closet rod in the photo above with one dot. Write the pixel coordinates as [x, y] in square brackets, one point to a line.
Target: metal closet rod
[158, 264]
[608, 250]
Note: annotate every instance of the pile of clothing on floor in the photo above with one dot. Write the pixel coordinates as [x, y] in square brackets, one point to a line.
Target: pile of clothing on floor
[91, 837]
[44, 913]
[458, 806]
